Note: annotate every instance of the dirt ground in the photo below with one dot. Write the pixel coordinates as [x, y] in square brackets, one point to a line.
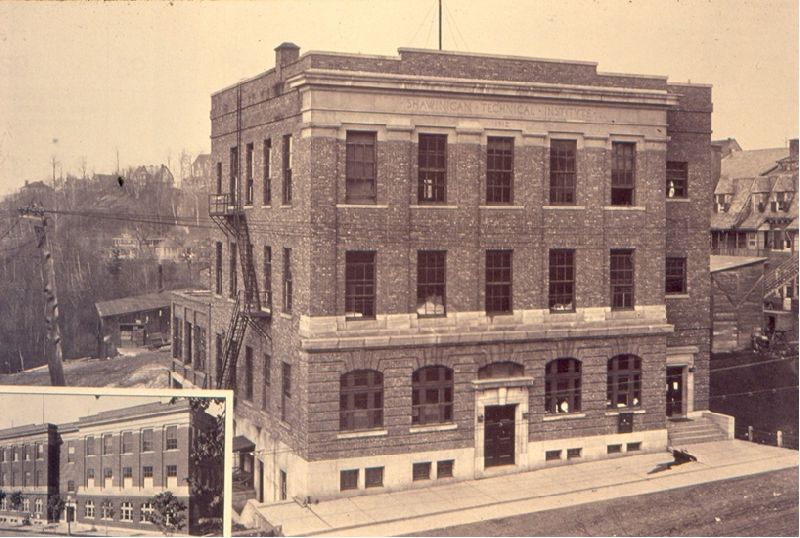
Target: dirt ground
[759, 505]
[148, 369]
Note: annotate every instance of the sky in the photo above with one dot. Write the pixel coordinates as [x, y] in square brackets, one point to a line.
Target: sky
[61, 408]
[57, 407]
[85, 82]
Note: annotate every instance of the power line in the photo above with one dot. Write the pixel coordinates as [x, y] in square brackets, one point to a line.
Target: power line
[752, 364]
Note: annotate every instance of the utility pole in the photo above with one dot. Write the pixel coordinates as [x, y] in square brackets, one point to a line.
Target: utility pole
[55, 356]
[440, 24]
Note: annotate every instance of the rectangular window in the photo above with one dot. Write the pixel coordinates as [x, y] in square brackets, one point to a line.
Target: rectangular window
[633, 447]
[360, 279]
[107, 509]
[373, 477]
[234, 178]
[127, 472]
[267, 198]
[675, 275]
[71, 485]
[623, 173]
[431, 275]
[552, 455]
[127, 442]
[287, 169]
[348, 479]
[498, 281]
[147, 471]
[108, 473]
[89, 509]
[126, 511]
[218, 269]
[613, 449]
[444, 469]
[146, 512]
[677, 179]
[563, 175]
[573, 453]
[219, 178]
[147, 440]
[39, 451]
[499, 170]
[172, 471]
[248, 373]
[283, 486]
[108, 444]
[621, 276]
[219, 351]
[287, 280]
[232, 283]
[171, 438]
[37, 479]
[432, 168]
[421, 471]
[267, 381]
[249, 187]
[268, 277]
[71, 452]
[360, 167]
[286, 392]
[562, 280]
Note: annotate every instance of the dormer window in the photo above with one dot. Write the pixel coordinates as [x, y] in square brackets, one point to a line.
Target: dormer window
[722, 202]
[781, 201]
[760, 200]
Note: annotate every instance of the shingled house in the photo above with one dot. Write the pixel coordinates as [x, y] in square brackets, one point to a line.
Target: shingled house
[437, 266]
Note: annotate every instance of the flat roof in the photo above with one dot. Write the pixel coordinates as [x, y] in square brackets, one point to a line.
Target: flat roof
[724, 263]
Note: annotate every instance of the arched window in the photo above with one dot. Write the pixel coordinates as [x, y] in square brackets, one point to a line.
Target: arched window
[499, 370]
[624, 382]
[432, 395]
[562, 386]
[361, 400]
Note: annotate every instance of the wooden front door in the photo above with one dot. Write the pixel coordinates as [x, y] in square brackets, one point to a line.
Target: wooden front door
[498, 440]
[674, 391]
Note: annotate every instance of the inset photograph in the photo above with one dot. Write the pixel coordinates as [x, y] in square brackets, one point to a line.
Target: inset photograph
[110, 464]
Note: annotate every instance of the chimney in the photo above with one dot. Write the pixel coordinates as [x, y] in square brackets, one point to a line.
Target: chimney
[285, 53]
[793, 148]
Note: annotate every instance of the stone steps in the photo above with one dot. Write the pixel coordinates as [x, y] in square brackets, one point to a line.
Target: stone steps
[700, 430]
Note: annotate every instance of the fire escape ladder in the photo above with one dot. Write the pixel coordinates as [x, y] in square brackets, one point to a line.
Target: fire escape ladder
[252, 298]
[781, 275]
[233, 343]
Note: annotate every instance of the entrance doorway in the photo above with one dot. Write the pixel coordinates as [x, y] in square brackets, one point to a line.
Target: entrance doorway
[498, 446]
[674, 391]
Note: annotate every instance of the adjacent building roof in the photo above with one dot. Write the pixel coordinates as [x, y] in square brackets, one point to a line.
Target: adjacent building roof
[138, 303]
[725, 263]
[148, 410]
[752, 163]
[23, 431]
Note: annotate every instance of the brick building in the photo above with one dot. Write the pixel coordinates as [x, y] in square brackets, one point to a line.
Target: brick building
[106, 466]
[27, 456]
[444, 265]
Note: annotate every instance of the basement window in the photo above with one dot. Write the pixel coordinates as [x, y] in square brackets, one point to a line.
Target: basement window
[348, 479]
[421, 471]
[573, 453]
[373, 477]
[552, 455]
[614, 449]
[444, 469]
[634, 447]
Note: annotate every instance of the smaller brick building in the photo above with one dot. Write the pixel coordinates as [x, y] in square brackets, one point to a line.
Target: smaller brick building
[28, 464]
[737, 285]
[107, 467]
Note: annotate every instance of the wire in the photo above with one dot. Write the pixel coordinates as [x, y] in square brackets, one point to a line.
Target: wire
[10, 229]
[752, 364]
[421, 24]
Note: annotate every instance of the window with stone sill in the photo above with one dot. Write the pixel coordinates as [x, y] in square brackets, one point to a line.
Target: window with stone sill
[677, 179]
[432, 168]
[563, 386]
[432, 395]
[499, 170]
[623, 173]
[431, 283]
[361, 400]
[561, 297]
[348, 479]
[563, 174]
[360, 168]
[624, 382]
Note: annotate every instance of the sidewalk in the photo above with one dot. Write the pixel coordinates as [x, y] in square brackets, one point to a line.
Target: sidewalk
[459, 503]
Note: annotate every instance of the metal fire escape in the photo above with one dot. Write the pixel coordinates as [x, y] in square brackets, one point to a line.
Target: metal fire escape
[252, 308]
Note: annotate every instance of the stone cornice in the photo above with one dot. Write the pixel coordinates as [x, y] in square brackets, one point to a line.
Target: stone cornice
[359, 80]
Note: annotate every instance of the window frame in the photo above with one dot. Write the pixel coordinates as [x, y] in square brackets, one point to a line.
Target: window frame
[126, 448]
[675, 274]
[218, 271]
[348, 479]
[422, 388]
[266, 198]
[677, 173]
[249, 191]
[287, 281]
[268, 276]
[624, 381]
[563, 172]
[365, 143]
[147, 445]
[555, 377]
[499, 170]
[361, 283]
[288, 157]
[499, 289]
[361, 404]
[623, 173]
[248, 373]
[431, 278]
[432, 168]
[622, 279]
[561, 280]
[286, 388]
[171, 439]
[421, 470]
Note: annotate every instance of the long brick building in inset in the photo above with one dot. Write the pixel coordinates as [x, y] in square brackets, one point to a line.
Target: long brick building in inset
[442, 266]
[106, 467]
